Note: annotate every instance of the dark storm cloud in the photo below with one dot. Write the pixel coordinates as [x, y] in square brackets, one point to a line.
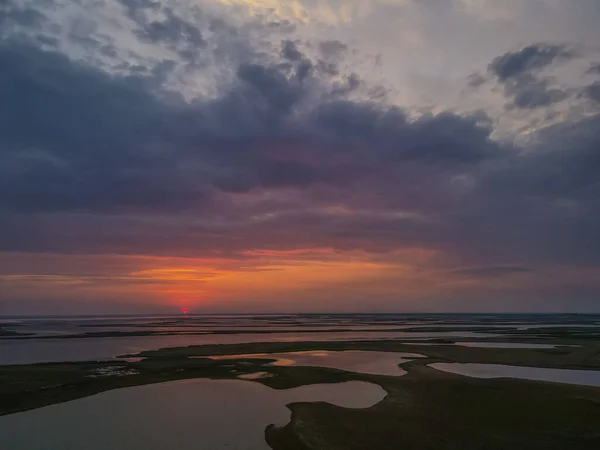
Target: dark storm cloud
[302, 66]
[12, 14]
[593, 91]
[528, 92]
[49, 41]
[518, 71]
[438, 138]
[349, 84]
[594, 69]
[332, 49]
[569, 164]
[128, 167]
[136, 9]
[172, 30]
[475, 80]
[275, 93]
[74, 137]
[579, 177]
[542, 204]
[327, 68]
[530, 58]
[290, 51]
[81, 31]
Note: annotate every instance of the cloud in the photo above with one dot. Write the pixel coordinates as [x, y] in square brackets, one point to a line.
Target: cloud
[333, 49]
[290, 51]
[77, 138]
[518, 73]
[593, 91]
[136, 9]
[527, 92]
[306, 161]
[475, 80]
[528, 59]
[264, 140]
[11, 14]
[172, 30]
[593, 69]
[270, 86]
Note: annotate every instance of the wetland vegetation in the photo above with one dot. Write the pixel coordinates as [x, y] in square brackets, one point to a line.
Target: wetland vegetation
[425, 408]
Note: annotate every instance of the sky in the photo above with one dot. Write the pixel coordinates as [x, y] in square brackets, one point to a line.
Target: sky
[276, 156]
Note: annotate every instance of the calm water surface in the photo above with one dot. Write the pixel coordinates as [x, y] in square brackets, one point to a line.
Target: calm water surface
[376, 363]
[322, 327]
[184, 415]
[581, 377]
[503, 345]
[28, 351]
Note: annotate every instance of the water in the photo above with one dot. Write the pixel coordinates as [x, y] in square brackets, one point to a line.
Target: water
[375, 363]
[581, 377]
[183, 415]
[244, 329]
[503, 345]
[29, 351]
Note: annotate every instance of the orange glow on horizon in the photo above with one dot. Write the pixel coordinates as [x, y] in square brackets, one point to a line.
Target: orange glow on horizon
[270, 278]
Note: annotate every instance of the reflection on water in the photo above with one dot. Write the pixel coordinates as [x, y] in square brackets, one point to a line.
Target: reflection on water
[582, 377]
[504, 345]
[28, 351]
[376, 363]
[182, 415]
[255, 376]
[248, 329]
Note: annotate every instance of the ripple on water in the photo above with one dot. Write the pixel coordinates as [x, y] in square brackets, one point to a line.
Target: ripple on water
[183, 415]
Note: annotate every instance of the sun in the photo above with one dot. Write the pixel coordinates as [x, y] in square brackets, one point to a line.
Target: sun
[185, 310]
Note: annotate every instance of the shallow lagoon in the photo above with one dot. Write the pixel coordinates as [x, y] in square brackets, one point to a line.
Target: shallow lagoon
[374, 363]
[581, 377]
[29, 351]
[183, 415]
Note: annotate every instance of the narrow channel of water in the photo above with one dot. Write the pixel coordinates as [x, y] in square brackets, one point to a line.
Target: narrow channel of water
[504, 345]
[581, 377]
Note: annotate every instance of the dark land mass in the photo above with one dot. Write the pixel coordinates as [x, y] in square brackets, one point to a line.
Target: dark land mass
[560, 332]
[427, 409]
[12, 333]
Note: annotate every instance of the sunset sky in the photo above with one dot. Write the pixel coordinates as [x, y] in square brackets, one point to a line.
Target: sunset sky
[299, 156]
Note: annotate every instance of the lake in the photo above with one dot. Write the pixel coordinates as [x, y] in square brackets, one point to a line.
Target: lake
[374, 363]
[182, 415]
